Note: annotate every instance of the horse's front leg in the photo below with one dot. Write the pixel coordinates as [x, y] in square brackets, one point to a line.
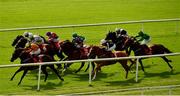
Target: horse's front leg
[45, 72]
[82, 65]
[167, 61]
[25, 72]
[96, 71]
[56, 72]
[142, 67]
[19, 70]
[93, 66]
[128, 51]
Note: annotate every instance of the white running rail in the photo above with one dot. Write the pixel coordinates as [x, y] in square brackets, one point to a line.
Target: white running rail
[87, 25]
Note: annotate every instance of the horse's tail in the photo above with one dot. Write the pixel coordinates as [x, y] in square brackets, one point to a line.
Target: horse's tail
[166, 50]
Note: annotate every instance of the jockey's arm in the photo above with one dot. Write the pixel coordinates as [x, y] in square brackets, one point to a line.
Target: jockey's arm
[140, 39]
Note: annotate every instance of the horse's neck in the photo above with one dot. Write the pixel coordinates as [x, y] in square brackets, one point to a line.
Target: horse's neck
[17, 39]
[24, 56]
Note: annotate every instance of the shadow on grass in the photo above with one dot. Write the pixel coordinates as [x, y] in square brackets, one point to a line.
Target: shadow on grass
[100, 75]
[165, 74]
[47, 86]
[128, 82]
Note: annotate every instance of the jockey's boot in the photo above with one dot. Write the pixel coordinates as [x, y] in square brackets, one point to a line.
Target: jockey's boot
[83, 53]
[35, 59]
[57, 45]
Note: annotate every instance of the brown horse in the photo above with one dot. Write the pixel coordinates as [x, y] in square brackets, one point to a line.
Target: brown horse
[74, 53]
[99, 52]
[140, 50]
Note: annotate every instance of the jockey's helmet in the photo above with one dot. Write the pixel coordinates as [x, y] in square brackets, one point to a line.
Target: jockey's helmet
[102, 41]
[120, 31]
[26, 34]
[74, 35]
[123, 32]
[54, 34]
[140, 33]
[30, 36]
[117, 30]
[48, 33]
[34, 46]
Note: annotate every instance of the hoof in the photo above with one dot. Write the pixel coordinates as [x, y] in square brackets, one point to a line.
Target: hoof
[62, 79]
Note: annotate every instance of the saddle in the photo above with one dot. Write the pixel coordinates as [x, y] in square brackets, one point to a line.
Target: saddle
[84, 52]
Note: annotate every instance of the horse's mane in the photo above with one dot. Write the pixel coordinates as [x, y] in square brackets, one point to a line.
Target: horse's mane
[68, 46]
[111, 36]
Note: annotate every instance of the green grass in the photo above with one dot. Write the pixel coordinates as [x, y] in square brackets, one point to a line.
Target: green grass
[30, 13]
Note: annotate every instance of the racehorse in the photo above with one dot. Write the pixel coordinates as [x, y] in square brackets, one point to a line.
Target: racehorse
[140, 50]
[74, 53]
[26, 58]
[20, 42]
[119, 41]
[102, 53]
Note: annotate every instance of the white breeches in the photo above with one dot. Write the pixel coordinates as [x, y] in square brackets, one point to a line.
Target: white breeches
[112, 48]
[37, 52]
[145, 41]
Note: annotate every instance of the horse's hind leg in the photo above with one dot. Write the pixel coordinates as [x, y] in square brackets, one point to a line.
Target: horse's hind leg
[52, 67]
[82, 65]
[93, 66]
[25, 72]
[142, 67]
[125, 66]
[167, 61]
[45, 72]
[96, 70]
[132, 63]
[19, 70]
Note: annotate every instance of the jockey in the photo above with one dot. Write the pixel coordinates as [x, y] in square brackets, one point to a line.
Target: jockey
[78, 40]
[28, 35]
[144, 39]
[53, 38]
[121, 32]
[110, 46]
[34, 51]
[37, 40]
[33, 38]
[79, 43]
[121, 35]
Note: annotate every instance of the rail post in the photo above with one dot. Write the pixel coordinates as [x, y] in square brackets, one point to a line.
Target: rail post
[142, 27]
[170, 91]
[39, 78]
[137, 61]
[90, 72]
[176, 29]
[73, 29]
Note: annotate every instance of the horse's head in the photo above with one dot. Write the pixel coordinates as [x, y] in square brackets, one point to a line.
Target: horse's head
[111, 36]
[16, 40]
[20, 53]
[20, 41]
[16, 54]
